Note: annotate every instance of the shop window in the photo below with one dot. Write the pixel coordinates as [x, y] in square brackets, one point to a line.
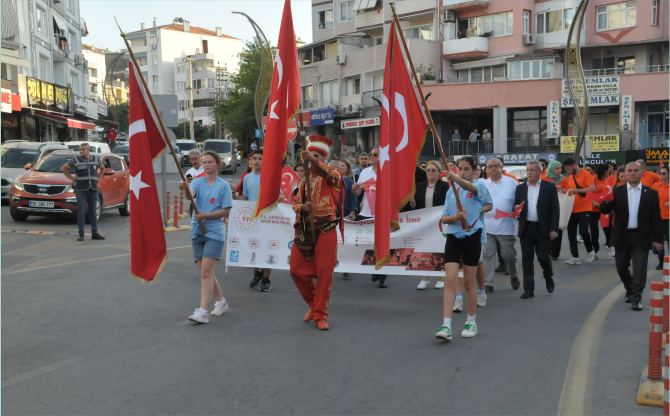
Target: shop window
[614, 16]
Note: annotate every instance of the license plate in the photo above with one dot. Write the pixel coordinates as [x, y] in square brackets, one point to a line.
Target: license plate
[41, 204]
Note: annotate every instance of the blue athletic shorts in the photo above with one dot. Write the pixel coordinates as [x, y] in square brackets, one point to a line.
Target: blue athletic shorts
[204, 246]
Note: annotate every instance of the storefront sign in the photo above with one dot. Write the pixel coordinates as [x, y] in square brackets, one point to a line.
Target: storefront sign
[602, 91]
[654, 156]
[321, 117]
[626, 125]
[363, 122]
[92, 109]
[608, 143]
[596, 158]
[102, 107]
[516, 158]
[6, 101]
[80, 104]
[527, 126]
[554, 127]
[42, 95]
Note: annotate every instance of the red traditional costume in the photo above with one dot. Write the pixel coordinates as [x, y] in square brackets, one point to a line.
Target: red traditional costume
[317, 259]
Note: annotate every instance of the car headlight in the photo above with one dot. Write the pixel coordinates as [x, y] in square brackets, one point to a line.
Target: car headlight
[68, 189]
[18, 184]
[230, 158]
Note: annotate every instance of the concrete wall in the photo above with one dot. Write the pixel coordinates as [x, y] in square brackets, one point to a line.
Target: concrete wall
[643, 29]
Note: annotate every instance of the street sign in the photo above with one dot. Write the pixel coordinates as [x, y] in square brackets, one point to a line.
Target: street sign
[258, 133]
[291, 132]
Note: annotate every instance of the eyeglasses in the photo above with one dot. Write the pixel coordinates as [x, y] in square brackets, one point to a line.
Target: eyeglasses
[494, 166]
[374, 155]
[432, 170]
[662, 173]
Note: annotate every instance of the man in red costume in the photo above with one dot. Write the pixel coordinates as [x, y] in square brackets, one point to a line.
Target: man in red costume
[317, 259]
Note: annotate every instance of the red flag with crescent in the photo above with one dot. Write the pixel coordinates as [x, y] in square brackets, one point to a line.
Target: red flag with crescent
[289, 179]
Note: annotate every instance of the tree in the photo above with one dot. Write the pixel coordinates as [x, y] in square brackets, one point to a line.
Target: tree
[124, 111]
[183, 131]
[237, 112]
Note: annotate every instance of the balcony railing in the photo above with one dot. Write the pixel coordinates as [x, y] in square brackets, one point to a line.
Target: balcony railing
[647, 140]
[369, 98]
[472, 47]
[465, 147]
[526, 145]
[625, 71]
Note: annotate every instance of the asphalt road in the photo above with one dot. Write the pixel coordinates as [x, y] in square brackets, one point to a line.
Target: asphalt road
[81, 337]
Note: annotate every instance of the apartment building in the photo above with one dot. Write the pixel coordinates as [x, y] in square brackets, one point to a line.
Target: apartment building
[508, 78]
[160, 52]
[97, 70]
[342, 70]
[43, 67]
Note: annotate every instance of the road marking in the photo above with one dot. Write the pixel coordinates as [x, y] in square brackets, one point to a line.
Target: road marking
[39, 372]
[42, 232]
[125, 246]
[78, 261]
[584, 350]
[40, 248]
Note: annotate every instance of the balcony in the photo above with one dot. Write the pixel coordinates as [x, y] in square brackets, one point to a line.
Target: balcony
[465, 5]
[370, 98]
[475, 47]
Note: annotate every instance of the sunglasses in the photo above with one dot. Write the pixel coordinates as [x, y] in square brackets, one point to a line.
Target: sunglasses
[374, 155]
[662, 173]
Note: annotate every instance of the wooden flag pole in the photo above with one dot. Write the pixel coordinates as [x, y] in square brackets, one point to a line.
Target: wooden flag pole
[436, 138]
[308, 183]
[160, 121]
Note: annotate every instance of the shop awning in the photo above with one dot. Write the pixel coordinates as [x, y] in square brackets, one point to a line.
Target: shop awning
[75, 124]
[8, 57]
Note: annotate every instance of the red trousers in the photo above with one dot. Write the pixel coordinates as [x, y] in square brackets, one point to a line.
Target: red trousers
[321, 267]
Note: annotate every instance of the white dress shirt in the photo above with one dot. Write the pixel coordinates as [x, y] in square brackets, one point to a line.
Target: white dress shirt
[533, 196]
[634, 193]
[502, 194]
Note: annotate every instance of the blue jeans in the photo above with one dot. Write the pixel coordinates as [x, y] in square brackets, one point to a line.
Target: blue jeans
[90, 197]
[487, 146]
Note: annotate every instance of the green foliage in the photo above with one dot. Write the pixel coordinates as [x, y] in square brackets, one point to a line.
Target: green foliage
[183, 131]
[123, 114]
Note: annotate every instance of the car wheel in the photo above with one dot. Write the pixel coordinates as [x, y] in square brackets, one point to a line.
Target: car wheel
[97, 212]
[16, 215]
[125, 210]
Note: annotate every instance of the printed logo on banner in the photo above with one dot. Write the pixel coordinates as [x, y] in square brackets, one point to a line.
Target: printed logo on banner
[288, 260]
[273, 245]
[234, 256]
[254, 243]
[234, 242]
[242, 218]
[290, 245]
[271, 259]
[253, 258]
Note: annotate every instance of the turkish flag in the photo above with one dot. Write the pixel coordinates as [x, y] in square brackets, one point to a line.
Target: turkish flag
[111, 134]
[148, 253]
[370, 187]
[288, 181]
[603, 194]
[402, 134]
[503, 214]
[283, 105]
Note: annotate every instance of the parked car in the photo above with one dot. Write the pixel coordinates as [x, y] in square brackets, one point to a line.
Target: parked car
[226, 150]
[123, 151]
[43, 190]
[16, 154]
[185, 146]
[96, 147]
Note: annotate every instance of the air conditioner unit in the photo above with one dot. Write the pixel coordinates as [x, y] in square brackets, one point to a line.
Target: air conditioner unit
[341, 58]
[448, 16]
[500, 79]
[528, 39]
[78, 59]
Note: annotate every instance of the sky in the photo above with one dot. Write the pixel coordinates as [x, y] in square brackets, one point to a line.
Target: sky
[208, 14]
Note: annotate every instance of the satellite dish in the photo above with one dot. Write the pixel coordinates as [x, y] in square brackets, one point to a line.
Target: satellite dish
[181, 20]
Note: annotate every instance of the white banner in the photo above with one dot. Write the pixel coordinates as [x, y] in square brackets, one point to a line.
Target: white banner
[417, 249]
[554, 128]
[626, 125]
[6, 101]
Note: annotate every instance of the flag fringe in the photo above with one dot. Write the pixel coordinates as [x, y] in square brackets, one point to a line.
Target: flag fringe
[265, 210]
[153, 280]
[383, 261]
[395, 226]
[159, 155]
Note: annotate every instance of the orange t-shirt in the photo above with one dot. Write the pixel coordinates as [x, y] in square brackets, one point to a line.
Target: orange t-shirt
[584, 180]
[664, 197]
[649, 178]
[510, 176]
[600, 186]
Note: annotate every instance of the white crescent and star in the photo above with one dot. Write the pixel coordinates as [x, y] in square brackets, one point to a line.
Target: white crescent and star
[136, 184]
[400, 106]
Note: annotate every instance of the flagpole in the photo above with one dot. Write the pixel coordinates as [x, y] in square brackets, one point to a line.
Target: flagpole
[308, 181]
[436, 138]
[160, 121]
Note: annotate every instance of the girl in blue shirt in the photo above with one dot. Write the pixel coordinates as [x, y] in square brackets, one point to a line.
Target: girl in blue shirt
[461, 244]
[213, 199]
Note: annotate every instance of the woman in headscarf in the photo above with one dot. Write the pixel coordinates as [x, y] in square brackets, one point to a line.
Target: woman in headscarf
[555, 175]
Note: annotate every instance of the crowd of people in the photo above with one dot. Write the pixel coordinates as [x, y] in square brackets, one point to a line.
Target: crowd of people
[630, 203]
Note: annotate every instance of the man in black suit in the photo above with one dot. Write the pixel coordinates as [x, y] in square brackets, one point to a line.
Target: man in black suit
[637, 226]
[538, 225]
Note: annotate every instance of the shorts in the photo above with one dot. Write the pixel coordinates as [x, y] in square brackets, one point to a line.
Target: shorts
[204, 246]
[468, 248]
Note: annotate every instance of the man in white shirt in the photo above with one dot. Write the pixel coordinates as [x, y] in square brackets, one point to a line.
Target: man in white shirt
[196, 171]
[502, 230]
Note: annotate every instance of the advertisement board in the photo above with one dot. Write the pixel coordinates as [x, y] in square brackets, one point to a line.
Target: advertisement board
[41, 95]
[626, 111]
[527, 126]
[601, 91]
[516, 158]
[604, 143]
[322, 117]
[554, 125]
[363, 122]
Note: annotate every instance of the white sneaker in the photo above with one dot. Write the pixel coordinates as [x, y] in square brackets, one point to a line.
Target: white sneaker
[469, 330]
[439, 284]
[219, 308]
[444, 333]
[458, 306]
[481, 299]
[612, 252]
[574, 260]
[200, 316]
[591, 256]
[579, 239]
[423, 284]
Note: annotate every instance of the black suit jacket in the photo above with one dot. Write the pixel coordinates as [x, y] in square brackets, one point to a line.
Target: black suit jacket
[548, 210]
[439, 195]
[649, 223]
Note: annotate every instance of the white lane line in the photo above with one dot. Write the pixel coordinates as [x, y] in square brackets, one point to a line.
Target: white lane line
[39, 371]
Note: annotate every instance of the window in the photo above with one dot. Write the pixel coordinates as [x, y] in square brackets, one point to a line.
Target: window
[526, 22]
[44, 68]
[616, 15]
[152, 39]
[154, 79]
[72, 39]
[183, 105]
[202, 83]
[146, 78]
[481, 74]
[550, 22]
[329, 93]
[351, 86]
[501, 24]
[142, 61]
[568, 14]
[93, 89]
[92, 72]
[626, 65]
[325, 19]
[347, 11]
[154, 59]
[205, 46]
[307, 96]
[115, 163]
[419, 32]
[181, 86]
[40, 20]
[182, 68]
[535, 69]
[202, 103]
[74, 83]
[654, 12]
[69, 4]
[539, 23]
[379, 40]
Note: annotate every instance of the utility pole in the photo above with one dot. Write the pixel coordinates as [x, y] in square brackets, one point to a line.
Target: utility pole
[190, 89]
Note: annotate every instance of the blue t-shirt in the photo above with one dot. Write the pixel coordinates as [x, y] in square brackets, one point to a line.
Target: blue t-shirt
[487, 200]
[209, 199]
[472, 204]
[251, 186]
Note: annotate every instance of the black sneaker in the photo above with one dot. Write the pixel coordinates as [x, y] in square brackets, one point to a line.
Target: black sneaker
[382, 282]
[346, 276]
[97, 236]
[374, 277]
[500, 269]
[660, 266]
[265, 285]
[258, 275]
[81, 237]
